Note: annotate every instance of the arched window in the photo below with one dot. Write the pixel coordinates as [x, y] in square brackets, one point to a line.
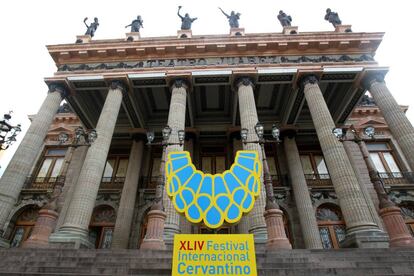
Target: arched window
[407, 210]
[24, 226]
[101, 227]
[331, 225]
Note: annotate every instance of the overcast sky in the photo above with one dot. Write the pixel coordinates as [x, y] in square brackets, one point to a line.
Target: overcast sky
[28, 26]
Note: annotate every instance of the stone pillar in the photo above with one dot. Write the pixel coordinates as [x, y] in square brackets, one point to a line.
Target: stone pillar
[185, 225]
[176, 121]
[20, 165]
[71, 180]
[248, 119]
[74, 231]
[243, 225]
[129, 191]
[361, 172]
[303, 201]
[401, 128]
[362, 231]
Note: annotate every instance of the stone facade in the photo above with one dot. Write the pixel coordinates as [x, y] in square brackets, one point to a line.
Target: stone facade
[211, 87]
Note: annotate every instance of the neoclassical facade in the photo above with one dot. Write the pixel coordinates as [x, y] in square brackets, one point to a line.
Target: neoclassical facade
[98, 192]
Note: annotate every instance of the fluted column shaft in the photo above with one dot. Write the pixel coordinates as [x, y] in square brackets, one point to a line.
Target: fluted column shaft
[248, 119]
[75, 226]
[20, 165]
[354, 208]
[401, 128]
[176, 121]
[303, 201]
[129, 191]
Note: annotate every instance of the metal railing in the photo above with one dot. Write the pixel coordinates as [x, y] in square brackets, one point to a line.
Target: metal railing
[318, 180]
[149, 182]
[112, 183]
[280, 180]
[397, 178]
[41, 183]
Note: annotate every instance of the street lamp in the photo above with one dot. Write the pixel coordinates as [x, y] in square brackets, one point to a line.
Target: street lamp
[389, 211]
[156, 216]
[8, 132]
[277, 238]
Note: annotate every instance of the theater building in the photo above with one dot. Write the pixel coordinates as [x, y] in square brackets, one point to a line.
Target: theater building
[96, 193]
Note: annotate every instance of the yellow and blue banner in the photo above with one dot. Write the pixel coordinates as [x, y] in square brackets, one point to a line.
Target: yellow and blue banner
[214, 255]
[213, 199]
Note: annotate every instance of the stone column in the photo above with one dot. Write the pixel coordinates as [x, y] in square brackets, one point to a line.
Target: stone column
[71, 180]
[303, 201]
[129, 191]
[401, 128]
[74, 230]
[185, 225]
[248, 119]
[362, 231]
[243, 225]
[176, 121]
[20, 165]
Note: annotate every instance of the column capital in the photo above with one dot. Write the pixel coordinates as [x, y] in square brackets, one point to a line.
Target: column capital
[118, 84]
[179, 83]
[370, 78]
[58, 87]
[244, 80]
[308, 79]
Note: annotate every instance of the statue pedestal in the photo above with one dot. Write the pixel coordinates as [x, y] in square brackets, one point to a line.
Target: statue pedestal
[236, 31]
[184, 34]
[289, 30]
[396, 227]
[132, 36]
[343, 28]
[276, 236]
[83, 38]
[153, 238]
[43, 228]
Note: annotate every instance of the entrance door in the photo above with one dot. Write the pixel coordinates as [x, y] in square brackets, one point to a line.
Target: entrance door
[24, 226]
[102, 225]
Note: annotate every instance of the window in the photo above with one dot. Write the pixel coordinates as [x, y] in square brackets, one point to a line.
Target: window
[213, 164]
[24, 226]
[101, 227]
[331, 225]
[114, 172]
[381, 156]
[51, 166]
[407, 211]
[314, 166]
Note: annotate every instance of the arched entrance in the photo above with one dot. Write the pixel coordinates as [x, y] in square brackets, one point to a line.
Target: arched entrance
[101, 227]
[24, 225]
[407, 210]
[331, 225]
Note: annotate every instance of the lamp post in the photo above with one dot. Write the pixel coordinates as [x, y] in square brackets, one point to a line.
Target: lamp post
[8, 132]
[277, 238]
[46, 221]
[156, 216]
[389, 211]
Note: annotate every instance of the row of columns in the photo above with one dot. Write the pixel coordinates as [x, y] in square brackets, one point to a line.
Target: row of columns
[361, 227]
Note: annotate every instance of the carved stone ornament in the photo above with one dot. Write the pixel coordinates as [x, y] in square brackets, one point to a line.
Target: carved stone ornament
[58, 87]
[245, 81]
[371, 78]
[117, 84]
[179, 83]
[309, 79]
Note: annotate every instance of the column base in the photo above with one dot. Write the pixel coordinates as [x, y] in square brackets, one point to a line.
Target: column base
[396, 227]
[366, 239]
[44, 226]
[70, 237]
[4, 243]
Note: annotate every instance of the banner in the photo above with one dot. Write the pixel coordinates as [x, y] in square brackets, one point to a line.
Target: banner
[214, 255]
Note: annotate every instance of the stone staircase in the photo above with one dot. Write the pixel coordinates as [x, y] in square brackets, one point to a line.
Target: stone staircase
[136, 262]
